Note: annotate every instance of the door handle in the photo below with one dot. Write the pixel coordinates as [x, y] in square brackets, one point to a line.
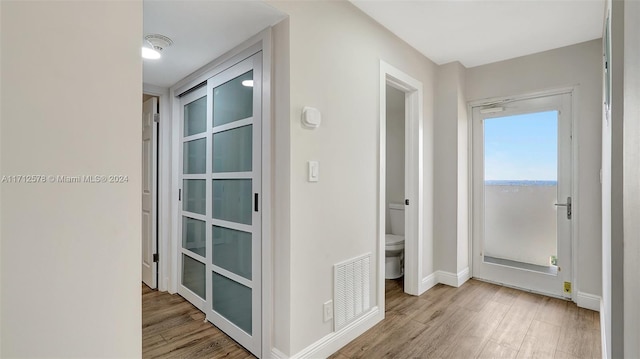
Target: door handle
[568, 205]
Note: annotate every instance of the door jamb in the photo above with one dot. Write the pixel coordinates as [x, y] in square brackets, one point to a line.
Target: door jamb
[414, 123]
[575, 178]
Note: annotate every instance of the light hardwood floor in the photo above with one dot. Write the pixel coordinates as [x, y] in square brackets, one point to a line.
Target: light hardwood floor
[174, 328]
[477, 320]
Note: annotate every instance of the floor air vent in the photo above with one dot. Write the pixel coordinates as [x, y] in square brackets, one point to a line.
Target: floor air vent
[351, 290]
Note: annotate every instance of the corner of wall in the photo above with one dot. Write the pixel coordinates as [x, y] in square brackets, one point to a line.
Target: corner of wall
[453, 279]
[281, 173]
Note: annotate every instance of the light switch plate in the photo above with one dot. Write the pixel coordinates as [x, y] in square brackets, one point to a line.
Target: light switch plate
[314, 171]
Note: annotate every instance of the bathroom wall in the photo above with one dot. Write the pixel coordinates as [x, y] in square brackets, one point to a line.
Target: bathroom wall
[334, 65]
[395, 150]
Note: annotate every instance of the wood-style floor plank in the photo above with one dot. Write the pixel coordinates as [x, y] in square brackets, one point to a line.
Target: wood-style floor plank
[174, 328]
[477, 320]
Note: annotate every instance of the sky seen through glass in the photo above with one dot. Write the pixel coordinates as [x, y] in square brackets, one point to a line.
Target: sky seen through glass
[521, 147]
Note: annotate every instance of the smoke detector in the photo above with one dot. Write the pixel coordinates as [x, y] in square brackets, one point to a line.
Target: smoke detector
[157, 43]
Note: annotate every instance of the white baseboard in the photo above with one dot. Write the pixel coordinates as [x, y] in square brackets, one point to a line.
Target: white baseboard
[428, 282]
[333, 342]
[603, 335]
[453, 279]
[588, 301]
[276, 354]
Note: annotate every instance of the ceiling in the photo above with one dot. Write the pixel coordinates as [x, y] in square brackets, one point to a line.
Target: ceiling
[474, 32]
[478, 32]
[201, 31]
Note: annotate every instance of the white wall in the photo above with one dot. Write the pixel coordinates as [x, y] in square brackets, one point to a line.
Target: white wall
[578, 65]
[395, 151]
[281, 192]
[612, 190]
[70, 265]
[335, 53]
[631, 175]
[451, 226]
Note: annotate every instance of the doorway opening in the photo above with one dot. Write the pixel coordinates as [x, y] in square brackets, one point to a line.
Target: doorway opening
[522, 193]
[400, 180]
[395, 183]
[150, 198]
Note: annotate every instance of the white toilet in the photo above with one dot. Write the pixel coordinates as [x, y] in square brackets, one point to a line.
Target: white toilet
[394, 243]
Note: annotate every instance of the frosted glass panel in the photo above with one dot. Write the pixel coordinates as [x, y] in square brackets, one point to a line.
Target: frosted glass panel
[233, 101]
[232, 250]
[194, 196]
[232, 150]
[232, 200]
[520, 188]
[195, 117]
[233, 301]
[195, 156]
[194, 236]
[193, 275]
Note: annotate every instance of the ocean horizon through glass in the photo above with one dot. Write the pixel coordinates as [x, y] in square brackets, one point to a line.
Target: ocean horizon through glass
[520, 188]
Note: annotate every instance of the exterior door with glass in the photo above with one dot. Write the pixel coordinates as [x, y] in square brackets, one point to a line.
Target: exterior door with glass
[221, 246]
[522, 194]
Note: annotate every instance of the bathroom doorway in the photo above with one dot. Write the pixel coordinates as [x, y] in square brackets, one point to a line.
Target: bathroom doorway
[395, 184]
[400, 180]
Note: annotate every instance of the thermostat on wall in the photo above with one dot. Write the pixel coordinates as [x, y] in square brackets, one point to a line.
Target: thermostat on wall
[311, 117]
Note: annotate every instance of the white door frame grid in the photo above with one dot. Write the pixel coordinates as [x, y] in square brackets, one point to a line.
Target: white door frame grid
[414, 125]
[260, 42]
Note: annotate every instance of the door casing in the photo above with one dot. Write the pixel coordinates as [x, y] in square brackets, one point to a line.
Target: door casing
[414, 182]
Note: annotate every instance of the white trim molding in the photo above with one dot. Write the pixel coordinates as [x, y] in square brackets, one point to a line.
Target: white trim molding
[603, 335]
[414, 186]
[453, 279]
[588, 301]
[428, 282]
[276, 354]
[332, 342]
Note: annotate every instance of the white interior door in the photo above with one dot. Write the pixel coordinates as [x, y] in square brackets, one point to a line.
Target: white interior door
[221, 221]
[522, 194]
[149, 190]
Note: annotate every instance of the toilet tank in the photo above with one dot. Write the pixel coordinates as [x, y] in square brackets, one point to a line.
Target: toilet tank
[396, 214]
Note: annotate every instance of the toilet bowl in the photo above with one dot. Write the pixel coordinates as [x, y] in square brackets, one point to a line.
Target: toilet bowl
[394, 243]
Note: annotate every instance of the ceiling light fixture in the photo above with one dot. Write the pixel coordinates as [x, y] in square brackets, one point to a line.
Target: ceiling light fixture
[247, 83]
[156, 43]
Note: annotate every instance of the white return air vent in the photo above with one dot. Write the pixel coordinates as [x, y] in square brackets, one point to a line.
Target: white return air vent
[351, 290]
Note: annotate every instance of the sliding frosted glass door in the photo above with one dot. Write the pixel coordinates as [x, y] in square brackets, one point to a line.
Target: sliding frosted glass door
[221, 190]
